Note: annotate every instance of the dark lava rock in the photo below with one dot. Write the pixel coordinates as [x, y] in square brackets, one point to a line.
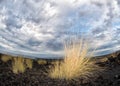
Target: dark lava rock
[116, 83]
[118, 57]
[117, 77]
[111, 59]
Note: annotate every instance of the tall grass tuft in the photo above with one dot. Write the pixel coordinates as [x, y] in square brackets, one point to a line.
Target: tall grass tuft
[75, 63]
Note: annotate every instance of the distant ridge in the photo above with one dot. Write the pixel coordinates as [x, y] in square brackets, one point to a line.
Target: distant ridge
[114, 54]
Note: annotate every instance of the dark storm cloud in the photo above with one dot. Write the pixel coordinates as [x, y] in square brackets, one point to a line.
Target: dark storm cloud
[33, 42]
[97, 30]
[54, 45]
[118, 2]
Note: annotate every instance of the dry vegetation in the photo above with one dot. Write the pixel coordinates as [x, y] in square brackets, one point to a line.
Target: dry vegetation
[6, 58]
[42, 62]
[29, 63]
[75, 63]
[20, 64]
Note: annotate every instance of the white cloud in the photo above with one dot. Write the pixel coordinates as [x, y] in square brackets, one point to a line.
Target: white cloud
[40, 26]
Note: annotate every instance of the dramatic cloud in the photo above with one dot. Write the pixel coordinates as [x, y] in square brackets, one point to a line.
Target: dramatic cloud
[38, 28]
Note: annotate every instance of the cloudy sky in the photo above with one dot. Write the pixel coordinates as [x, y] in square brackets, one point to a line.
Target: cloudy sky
[37, 28]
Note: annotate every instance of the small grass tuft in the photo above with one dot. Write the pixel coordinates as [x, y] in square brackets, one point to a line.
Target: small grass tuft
[6, 58]
[42, 62]
[29, 63]
[18, 65]
[75, 63]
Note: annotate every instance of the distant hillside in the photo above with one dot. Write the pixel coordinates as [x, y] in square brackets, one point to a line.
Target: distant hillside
[114, 54]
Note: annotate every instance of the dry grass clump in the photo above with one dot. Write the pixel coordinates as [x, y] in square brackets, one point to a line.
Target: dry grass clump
[42, 62]
[103, 59]
[6, 58]
[20, 64]
[75, 63]
[55, 62]
[29, 63]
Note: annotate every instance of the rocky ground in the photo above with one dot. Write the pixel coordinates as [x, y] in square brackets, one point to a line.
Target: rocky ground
[38, 77]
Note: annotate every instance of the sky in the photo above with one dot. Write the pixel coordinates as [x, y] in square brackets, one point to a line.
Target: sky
[38, 28]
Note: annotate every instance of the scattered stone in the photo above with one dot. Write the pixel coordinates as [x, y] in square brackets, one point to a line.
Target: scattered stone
[117, 77]
[116, 83]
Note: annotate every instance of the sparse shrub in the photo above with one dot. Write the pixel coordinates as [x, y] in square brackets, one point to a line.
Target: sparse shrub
[75, 63]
